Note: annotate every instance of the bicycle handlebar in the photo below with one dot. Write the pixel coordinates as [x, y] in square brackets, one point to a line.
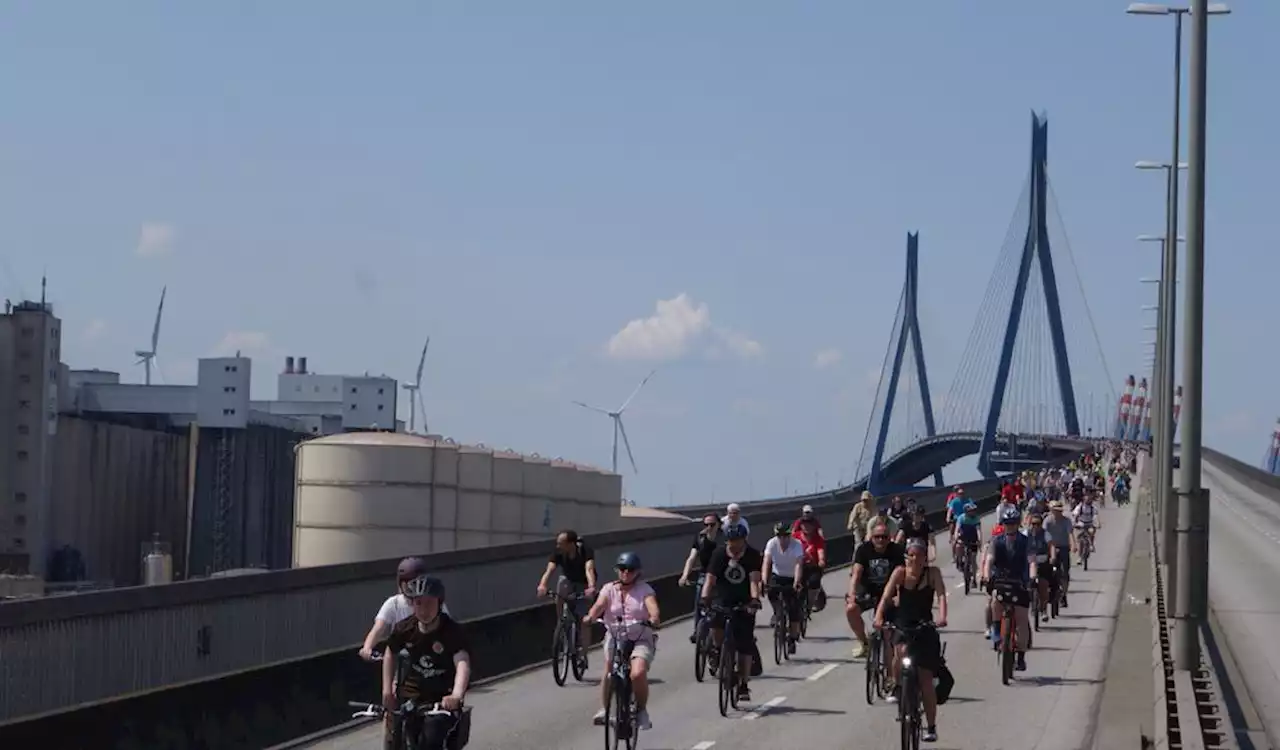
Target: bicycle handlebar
[375, 710]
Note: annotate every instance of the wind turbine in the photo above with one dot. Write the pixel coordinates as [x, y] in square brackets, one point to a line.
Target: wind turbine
[146, 358]
[616, 416]
[415, 399]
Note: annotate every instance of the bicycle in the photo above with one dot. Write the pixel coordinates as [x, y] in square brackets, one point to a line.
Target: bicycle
[701, 637]
[620, 728]
[782, 622]
[968, 565]
[879, 658]
[1084, 542]
[727, 669]
[566, 643]
[1008, 631]
[911, 704]
[458, 735]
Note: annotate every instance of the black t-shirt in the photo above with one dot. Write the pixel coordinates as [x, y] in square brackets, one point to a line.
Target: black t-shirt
[897, 514]
[733, 577]
[913, 530]
[574, 568]
[705, 545]
[878, 566]
[430, 669]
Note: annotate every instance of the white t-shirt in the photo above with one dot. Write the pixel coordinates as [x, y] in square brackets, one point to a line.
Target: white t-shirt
[783, 562]
[1084, 514]
[397, 608]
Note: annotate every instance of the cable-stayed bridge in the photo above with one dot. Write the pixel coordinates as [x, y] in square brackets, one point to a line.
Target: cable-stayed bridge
[1032, 382]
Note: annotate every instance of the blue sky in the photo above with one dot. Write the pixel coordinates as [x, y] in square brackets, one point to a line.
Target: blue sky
[522, 180]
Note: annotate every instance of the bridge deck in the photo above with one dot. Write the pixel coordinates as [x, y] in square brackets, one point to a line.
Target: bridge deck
[820, 694]
[1244, 588]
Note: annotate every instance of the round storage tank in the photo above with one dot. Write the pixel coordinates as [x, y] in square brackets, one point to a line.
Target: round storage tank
[363, 496]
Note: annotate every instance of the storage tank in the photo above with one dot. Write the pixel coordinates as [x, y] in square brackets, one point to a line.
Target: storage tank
[508, 497]
[363, 496]
[476, 518]
[444, 500]
[157, 562]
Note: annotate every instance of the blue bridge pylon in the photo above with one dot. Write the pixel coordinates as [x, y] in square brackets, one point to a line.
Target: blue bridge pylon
[1035, 250]
[909, 329]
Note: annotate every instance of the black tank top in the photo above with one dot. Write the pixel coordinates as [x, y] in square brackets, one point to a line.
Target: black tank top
[915, 605]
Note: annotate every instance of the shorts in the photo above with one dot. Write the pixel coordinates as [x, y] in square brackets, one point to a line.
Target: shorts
[924, 645]
[643, 649]
[812, 577]
[867, 601]
[1014, 593]
[783, 590]
[743, 625]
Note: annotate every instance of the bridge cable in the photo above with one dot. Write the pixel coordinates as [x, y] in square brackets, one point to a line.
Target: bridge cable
[885, 368]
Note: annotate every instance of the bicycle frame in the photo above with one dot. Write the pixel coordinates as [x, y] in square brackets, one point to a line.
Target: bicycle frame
[622, 697]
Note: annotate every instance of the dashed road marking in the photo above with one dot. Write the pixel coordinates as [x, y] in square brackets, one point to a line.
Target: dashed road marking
[704, 745]
[822, 672]
[764, 708]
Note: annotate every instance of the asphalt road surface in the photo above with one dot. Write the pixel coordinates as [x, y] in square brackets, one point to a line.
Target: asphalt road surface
[1244, 586]
[820, 692]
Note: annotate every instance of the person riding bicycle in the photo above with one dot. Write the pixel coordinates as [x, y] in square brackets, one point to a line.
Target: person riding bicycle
[396, 607]
[1041, 549]
[814, 543]
[577, 564]
[915, 585]
[873, 562]
[633, 601]
[897, 510]
[437, 667]
[704, 543]
[1009, 568]
[1085, 519]
[733, 580]
[916, 526]
[956, 503]
[967, 531]
[783, 568]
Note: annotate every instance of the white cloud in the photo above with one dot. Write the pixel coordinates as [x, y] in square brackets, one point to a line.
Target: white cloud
[95, 329]
[248, 343]
[826, 358]
[155, 239]
[675, 327]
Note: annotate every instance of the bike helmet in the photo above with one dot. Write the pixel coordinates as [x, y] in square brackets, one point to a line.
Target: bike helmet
[1011, 516]
[628, 561]
[781, 529]
[424, 586]
[970, 506]
[410, 568]
[735, 532]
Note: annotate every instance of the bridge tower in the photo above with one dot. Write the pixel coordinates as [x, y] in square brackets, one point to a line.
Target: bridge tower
[1035, 250]
[909, 328]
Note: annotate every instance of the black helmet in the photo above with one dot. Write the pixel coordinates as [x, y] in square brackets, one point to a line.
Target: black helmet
[628, 561]
[735, 532]
[411, 567]
[781, 529]
[424, 586]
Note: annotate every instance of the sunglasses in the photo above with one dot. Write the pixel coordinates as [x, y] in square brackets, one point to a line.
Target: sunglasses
[626, 570]
[879, 536]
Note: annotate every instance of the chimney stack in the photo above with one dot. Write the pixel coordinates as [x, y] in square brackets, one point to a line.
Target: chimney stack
[288, 365]
[302, 365]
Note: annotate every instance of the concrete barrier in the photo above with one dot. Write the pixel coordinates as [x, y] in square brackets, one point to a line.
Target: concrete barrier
[278, 702]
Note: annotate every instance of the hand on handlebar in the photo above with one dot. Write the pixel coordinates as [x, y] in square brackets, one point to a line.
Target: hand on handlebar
[450, 703]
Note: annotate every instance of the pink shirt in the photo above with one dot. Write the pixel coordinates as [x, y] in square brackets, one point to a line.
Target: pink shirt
[629, 605]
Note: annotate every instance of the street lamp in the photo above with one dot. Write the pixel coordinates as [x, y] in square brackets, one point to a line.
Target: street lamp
[1188, 598]
[1182, 165]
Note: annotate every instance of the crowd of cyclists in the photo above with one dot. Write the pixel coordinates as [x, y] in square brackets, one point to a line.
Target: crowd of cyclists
[1046, 520]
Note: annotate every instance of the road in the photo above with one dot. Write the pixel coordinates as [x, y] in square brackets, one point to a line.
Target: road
[1244, 587]
[1052, 706]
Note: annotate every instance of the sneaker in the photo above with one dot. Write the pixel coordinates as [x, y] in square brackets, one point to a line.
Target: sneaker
[744, 693]
[791, 646]
[930, 735]
[860, 650]
[598, 719]
[642, 720]
[693, 637]
[1021, 666]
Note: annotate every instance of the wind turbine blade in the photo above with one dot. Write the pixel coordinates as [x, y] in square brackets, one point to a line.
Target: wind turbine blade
[637, 390]
[592, 408]
[422, 361]
[422, 409]
[155, 331]
[627, 444]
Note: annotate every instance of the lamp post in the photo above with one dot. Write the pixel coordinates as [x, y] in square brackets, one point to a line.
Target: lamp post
[1191, 600]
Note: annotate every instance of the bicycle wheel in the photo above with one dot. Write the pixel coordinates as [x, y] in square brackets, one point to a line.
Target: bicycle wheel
[560, 657]
[967, 573]
[624, 719]
[873, 668]
[804, 618]
[780, 631]
[908, 717]
[727, 673]
[1006, 645]
[577, 656]
[700, 645]
[1035, 608]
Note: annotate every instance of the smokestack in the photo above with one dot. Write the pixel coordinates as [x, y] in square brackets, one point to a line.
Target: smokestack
[288, 365]
[302, 365]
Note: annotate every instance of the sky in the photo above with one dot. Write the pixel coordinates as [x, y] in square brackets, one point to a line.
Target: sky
[567, 195]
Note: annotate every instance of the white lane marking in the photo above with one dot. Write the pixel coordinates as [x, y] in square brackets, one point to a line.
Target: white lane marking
[822, 672]
[704, 745]
[764, 708]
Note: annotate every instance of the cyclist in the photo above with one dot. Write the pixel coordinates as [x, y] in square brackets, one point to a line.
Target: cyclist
[704, 543]
[955, 506]
[577, 563]
[897, 510]
[814, 543]
[733, 578]
[915, 585]
[1085, 518]
[396, 607]
[1058, 529]
[1006, 504]
[783, 568]
[860, 516]
[916, 526]
[873, 562]
[733, 517]
[439, 665]
[1041, 548]
[633, 601]
[967, 531]
[1010, 568]
[807, 516]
